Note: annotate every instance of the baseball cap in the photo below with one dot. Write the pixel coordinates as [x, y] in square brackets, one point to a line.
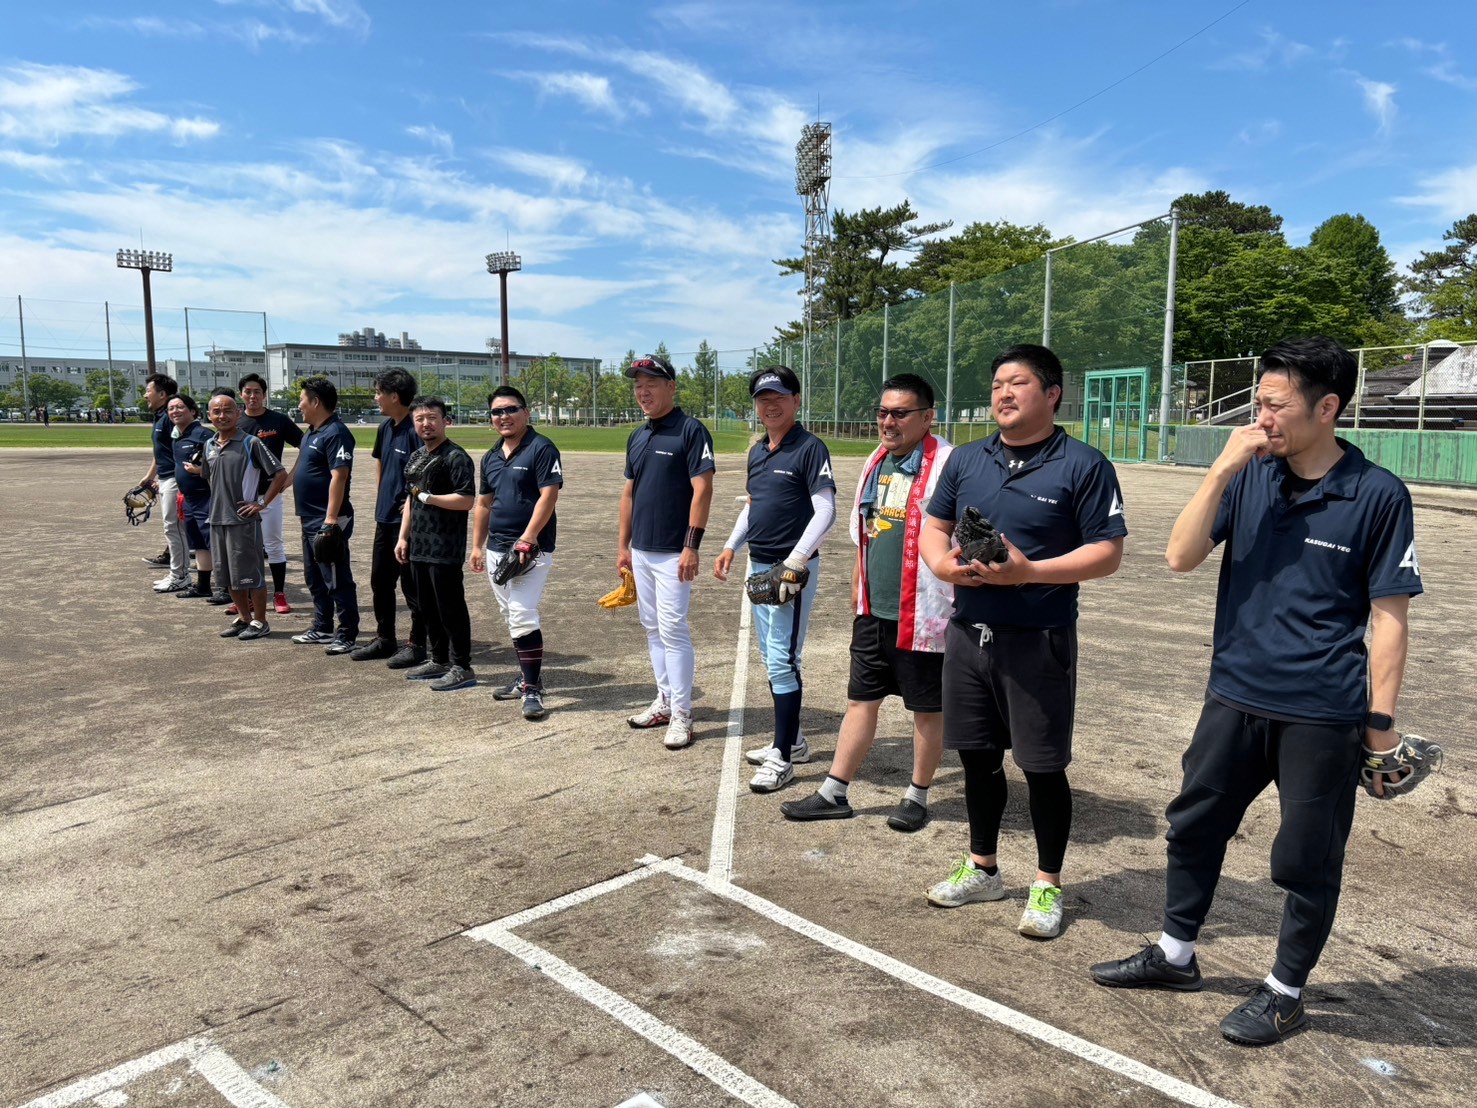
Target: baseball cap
[774, 378]
[653, 365]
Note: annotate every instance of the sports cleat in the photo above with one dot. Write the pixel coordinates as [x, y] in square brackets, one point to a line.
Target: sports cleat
[373, 650]
[219, 596]
[773, 775]
[193, 592]
[967, 885]
[1149, 968]
[799, 753]
[407, 656]
[173, 584]
[428, 671]
[679, 730]
[255, 631]
[341, 644]
[1264, 1018]
[657, 714]
[279, 600]
[814, 807]
[512, 691]
[313, 638]
[533, 703]
[910, 816]
[161, 559]
[455, 677]
[236, 627]
[1042, 918]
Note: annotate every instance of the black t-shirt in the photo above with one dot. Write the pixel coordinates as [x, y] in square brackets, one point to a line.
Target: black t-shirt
[514, 483]
[662, 457]
[781, 483]
[438, 536]
[276, 431]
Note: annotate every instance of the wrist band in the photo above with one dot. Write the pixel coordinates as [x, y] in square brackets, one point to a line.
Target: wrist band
[694, 538]
[423, 497]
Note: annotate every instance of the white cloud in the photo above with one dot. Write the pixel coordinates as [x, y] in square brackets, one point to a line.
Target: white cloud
[592, 91]
[149, 26]
[563, 173]
[345, 15]
[1379, 101]
[1442, 66]
[47, 103]
[1258, 134]
[432, 135]
[1272, 49]
[42, 165]
[1451, 193]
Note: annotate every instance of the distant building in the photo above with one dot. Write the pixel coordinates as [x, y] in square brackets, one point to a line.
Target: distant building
[370, 339]
[356, 367]
[195, 377]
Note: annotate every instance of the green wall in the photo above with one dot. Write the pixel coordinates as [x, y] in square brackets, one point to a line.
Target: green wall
[1433, 457]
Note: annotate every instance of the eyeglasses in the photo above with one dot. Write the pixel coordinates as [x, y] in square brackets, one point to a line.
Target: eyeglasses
[505, 413]
[898, 414]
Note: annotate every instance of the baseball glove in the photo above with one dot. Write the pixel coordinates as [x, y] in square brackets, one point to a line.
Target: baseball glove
[779, 584]
[519, 559]
[1403, 768]
[978, 540]
[328, 545]
[138, 502]
[421, 471]
[623, 594]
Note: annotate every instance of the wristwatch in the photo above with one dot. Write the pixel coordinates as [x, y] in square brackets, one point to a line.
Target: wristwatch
[1379, 721]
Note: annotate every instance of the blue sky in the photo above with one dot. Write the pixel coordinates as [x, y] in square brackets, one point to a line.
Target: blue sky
[339, 163]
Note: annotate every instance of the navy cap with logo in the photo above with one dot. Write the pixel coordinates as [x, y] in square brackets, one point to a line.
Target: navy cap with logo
[774, 378]
[654, 365]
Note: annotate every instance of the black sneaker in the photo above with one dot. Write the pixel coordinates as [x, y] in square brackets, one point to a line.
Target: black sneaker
[193, 592]
[428, 671]
[456, 677]
[510, 692]
[255, 631]
[1148, 967]
[815, 806]
[910, 816]
[161, 559]
[341, 644]
[236, 627]
[533, 702]
[1266, 1016]
[218, 596]
[373, 650]
[407, 656]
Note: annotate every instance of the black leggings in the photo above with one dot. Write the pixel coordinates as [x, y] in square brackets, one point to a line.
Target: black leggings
[985, 793]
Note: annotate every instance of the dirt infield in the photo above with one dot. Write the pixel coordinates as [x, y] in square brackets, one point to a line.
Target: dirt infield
[251, 874]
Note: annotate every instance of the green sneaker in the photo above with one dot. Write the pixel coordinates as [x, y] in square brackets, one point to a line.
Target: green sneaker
[1043, 915]
[965, 886]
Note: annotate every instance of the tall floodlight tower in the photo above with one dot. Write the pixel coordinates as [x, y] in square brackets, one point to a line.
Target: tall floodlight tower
[146, 262]
[502, 263]
[813, 184]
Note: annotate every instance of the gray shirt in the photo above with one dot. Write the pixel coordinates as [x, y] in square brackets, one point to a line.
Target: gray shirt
[238, 470]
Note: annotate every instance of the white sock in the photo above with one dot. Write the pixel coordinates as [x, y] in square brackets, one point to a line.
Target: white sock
[918, 794]
[1177, 952]
[1286, 990]
[833, 790]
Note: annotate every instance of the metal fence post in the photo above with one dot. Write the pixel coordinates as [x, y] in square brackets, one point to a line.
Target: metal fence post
[885, 374]
[949, 364]
[1166, 380]
[189, 358]
[20, 310]
[1359, 389]
[108, 331]
[836, 410]
[1046, 305]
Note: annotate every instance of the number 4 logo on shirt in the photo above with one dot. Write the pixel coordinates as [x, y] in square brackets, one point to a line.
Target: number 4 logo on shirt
[1409, 561]
[826, 471]
[1117, 508]
[707, 453]
[556, 469]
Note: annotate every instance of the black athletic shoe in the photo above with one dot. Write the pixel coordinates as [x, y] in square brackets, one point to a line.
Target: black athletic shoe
[910, 816]
[341, 644]
[219, 596]
[1266, 1016]
[428, 671]
[406, 657]
[373, 650]
[255, 631]
[456, 677]
[236, 627]
[161, 559]
[815, 806]
[193, 592]
[513, 691]
[1148, 967]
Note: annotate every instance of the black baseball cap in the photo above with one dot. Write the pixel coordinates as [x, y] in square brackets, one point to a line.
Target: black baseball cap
[653, 365]
[774, 378]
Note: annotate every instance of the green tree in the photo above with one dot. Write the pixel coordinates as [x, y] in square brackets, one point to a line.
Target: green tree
[1354, 241]
[1444, 284]
[980, 250]
[97, 387]
[46, 391]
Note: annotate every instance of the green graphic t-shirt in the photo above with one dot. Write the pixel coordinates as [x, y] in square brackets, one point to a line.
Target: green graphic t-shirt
[886, 523]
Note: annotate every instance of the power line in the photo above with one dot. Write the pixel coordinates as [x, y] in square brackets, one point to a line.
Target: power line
[1050, 118]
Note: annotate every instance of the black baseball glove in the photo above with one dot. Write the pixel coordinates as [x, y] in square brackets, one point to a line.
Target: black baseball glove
[977, 539]
[138, 502]
[519, 559]
[1403, 768]
[328, 545]
[779, 584]
[421, 471]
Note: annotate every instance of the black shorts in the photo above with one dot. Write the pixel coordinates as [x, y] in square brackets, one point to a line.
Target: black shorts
[1016, 690]
[879, 669]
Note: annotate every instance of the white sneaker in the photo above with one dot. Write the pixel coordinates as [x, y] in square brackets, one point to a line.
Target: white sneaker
[1043, 915]
[799, 753]
[657, 714]
[774, 774]
[172, 584]
[679, 730]
[967, 885]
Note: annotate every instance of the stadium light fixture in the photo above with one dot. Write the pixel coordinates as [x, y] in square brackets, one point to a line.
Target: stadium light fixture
[146, 262]
[502, 263]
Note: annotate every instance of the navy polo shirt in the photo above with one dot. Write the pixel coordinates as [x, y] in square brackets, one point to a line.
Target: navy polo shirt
[662, 457]
[324, 450]
[514, 483]
[1064, 497]
[163, 447]
[394, 443]
[781, 483]
[191, 439]
[1296, 584]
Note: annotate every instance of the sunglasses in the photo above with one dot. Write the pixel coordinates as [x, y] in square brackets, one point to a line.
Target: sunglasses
[898, 414]
[649, 364]
[504, 413]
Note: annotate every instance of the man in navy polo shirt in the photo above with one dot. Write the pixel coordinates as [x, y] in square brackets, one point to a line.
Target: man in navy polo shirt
[394, 443]
[1320, 543]
[791, 506]
[521, 479]
[320, 488]
[664, 511]
[158, 388]
[190, 437]
[277, 432]
[1010, 654]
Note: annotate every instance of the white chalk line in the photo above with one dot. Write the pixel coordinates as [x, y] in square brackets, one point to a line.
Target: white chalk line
[650, 866]
[203, 1056]
[720, 848]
